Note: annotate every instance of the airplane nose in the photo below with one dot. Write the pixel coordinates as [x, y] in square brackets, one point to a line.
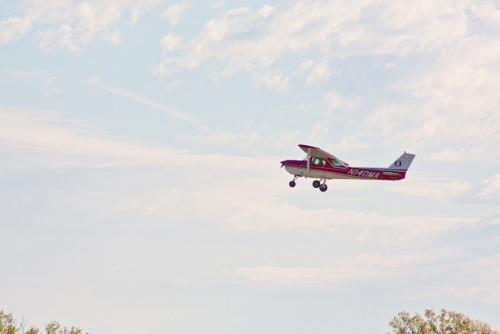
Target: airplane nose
[283, 163]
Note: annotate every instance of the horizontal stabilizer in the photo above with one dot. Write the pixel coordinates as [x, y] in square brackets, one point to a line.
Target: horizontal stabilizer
[391, 174]
[403, 162]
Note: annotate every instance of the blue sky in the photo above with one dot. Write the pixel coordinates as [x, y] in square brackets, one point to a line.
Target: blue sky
[140, 181]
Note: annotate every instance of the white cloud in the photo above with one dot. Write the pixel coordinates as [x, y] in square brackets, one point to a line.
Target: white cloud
[450, 109]
[255, 210]
[51, 91]
[352, 142]
[319, 73]
[491, 187]
[49, 80]
[38, 134]
[265, 11]
[263, 139]
[335, 100]
[64, 37]
[273, 80]
[449, 155]
[328, 26]
[407, 27]
[71, 24]
[174, 12]
[249, 137]
[488, 282]
[13, 28]
[172, 85]
[40, 140]
[306, 65]
[487, 15]
[347, 269]
[447, 105]
[387, 230]
[140, 7]
[120, 267]
[170, 42]
[438, 189]
[480, 278]
[218, 4]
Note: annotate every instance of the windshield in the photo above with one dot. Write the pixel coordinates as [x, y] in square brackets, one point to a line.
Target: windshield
[336, 162]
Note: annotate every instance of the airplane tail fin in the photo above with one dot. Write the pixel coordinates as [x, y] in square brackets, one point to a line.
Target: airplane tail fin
[403, 162]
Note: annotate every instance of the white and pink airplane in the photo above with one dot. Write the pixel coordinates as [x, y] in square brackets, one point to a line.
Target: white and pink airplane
[321, 165]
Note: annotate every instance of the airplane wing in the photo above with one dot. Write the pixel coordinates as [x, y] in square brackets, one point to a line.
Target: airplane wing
[320, 154]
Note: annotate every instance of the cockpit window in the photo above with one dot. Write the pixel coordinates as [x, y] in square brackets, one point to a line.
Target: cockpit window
[316, 161]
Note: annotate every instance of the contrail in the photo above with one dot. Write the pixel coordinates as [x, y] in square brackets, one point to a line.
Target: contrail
[171, 111]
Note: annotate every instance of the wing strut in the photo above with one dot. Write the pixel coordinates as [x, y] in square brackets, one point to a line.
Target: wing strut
[308, 159]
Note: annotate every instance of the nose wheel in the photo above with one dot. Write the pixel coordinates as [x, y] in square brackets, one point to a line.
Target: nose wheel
[292, 184]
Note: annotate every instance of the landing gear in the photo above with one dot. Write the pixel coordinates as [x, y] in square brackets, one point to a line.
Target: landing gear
[321, 186]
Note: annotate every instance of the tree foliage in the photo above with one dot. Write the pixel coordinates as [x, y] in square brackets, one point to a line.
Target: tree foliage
[445, 323]
[8, 326]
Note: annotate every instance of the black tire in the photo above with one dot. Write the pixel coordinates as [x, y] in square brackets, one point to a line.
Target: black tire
[292, 184]
[323, 187]
[316, 184]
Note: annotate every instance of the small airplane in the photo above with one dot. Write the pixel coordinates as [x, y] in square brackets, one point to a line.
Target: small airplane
[321, 165]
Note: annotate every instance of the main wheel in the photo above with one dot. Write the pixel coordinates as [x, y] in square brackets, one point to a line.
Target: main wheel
[292, 184]
[316, 184]
[323, 187]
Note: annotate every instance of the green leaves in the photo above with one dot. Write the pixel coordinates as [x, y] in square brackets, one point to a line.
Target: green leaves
[445, 323]
[8, 326]
[55, 328]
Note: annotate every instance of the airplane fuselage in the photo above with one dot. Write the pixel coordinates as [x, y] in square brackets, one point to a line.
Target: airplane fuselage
[328, 171]
[322, 165]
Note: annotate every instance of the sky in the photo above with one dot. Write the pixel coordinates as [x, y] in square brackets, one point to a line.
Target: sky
[140, 148]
